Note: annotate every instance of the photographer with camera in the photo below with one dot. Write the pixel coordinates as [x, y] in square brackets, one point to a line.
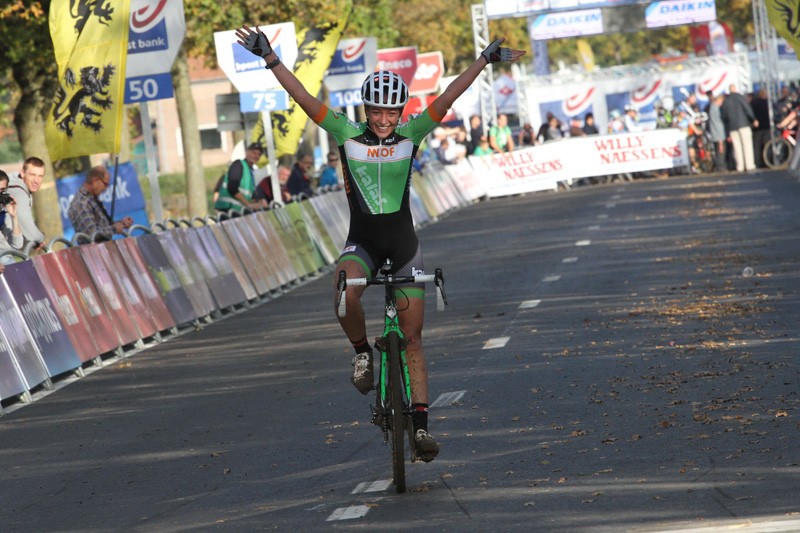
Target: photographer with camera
[10, 229]
[22, 188]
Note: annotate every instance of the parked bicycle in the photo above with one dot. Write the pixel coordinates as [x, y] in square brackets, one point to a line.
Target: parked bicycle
[392, 410]
[778, 150]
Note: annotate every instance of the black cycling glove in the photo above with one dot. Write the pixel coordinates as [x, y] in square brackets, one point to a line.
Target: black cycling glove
[494, 53]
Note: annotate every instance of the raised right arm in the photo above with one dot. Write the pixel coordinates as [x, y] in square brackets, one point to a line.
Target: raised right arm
[254, 41]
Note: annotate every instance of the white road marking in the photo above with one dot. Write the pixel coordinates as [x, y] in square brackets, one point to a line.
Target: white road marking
[603, 216]
[570, 260]
[594, 228]
[497, 342]
[448, 398]
[372, 486]
[616, 197]
[550, 279]
[754, 525]
[583, 243]
[529, 304]
[611, 205]
[348, 513]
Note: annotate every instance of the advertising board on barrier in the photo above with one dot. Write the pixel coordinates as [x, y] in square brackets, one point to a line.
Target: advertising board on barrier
[220, 278]
[193, 282]
[41, 318]
[139, 313]
[102, 329]
[235, 262]
[145, 283]
[241, 237]
[63, 301]
[21, 366]
[175, 297]
[115, 304]
[231, 289]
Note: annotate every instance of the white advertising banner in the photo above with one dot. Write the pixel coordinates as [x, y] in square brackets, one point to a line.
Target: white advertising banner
[156, 33]
[541, 167]
[603, 96]
[675, 12]
[352, 61]
[569, 24]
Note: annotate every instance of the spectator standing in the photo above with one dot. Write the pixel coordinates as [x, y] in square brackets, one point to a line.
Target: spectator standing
[615, 122]
[300, 178]
[526, 136]
[716, 131]
[631, 119]
[500, 138]
[10, 230]
[576, 128]
[475, 132]
[444, 152]
[761, 132]
[739, 117]
[238, 185]
[553, 132]
[87, 213]
[21, 188]
[589, 127]
[330, 177]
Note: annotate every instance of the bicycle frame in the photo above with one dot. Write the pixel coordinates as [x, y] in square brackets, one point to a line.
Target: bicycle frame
[392, 412]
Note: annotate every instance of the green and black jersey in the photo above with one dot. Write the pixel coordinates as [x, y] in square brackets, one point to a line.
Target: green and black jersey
[377, 178]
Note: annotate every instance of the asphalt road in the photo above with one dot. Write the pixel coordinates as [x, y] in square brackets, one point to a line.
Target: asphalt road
[606, 364]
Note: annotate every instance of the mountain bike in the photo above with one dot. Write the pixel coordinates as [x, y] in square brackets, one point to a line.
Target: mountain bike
[778, 150]
[392, 410]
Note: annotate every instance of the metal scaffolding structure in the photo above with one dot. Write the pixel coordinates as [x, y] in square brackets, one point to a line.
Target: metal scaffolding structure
[480, 36]
[767, 56]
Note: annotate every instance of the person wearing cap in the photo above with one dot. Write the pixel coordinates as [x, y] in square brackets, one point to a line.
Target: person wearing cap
[376, 157]
[238, 185]
[631, 119]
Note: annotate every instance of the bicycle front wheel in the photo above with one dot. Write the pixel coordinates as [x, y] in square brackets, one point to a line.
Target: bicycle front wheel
[397, 415]
[777, 153]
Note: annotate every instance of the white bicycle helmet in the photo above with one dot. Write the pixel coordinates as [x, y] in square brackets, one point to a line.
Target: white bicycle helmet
[384, 88]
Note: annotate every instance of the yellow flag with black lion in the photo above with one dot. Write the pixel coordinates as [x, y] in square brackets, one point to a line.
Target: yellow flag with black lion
[90, 38]
[784, 15]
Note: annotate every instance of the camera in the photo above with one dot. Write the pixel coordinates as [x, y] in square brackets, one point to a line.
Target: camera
[5, 198]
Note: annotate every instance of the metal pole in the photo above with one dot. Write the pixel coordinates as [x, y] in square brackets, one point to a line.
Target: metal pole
[152, 171]
[480, 36]
[266, 120]
[114, 187]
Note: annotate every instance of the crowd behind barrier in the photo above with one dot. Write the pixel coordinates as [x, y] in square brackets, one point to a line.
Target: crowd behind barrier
[83, 302]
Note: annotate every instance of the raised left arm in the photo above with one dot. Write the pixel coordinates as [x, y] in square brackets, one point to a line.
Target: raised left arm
[493, 54]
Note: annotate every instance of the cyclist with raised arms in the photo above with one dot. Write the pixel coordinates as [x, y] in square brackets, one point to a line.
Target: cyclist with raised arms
[376, 160]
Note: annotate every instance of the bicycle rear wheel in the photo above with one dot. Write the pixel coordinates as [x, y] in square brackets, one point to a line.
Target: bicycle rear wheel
[777, 153]
[397, 416]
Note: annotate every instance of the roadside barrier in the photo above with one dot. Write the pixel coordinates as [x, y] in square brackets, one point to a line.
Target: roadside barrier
[71, 310]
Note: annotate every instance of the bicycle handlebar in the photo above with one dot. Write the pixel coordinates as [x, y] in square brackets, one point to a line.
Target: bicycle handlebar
[341, 286]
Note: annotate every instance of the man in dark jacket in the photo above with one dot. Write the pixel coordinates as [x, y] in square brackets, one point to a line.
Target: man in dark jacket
[760, 107]
[739, 117]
